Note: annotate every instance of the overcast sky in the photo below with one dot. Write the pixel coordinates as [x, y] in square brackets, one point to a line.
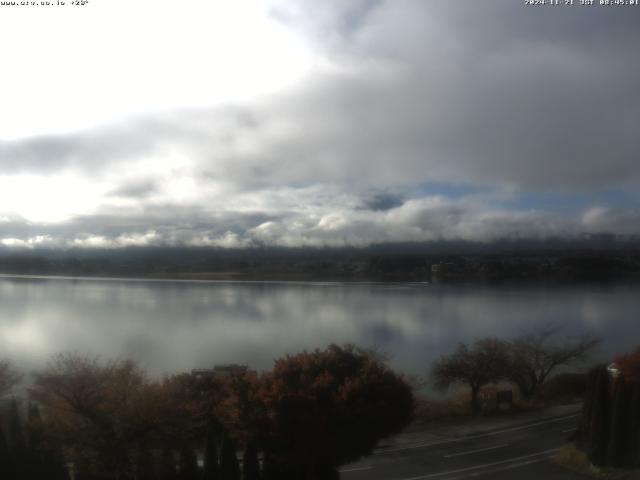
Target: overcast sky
[346, 122]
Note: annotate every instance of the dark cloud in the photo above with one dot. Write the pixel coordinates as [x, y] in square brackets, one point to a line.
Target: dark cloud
[382, 201]
[496, 93]
[82, 151]
[103, 150]
[139, 189]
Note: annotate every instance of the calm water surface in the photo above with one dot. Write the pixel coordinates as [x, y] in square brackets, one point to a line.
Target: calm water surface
[174, 326]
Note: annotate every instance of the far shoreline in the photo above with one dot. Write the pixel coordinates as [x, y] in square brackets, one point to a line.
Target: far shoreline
[241, 278]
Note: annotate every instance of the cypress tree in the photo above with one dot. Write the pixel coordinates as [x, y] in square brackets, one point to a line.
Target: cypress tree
[5, 457]
[35, 446]
[629, 431]
[229, 467]
[269, 469]
[34, 436]
[609, 427]
[167, 465]
[273, 469]
[144, 463]
[617, 452]
[583, 433]
[599, 422]
[250, 463]
[16, 431]
[210, 470]
[634, 423]
[43, 461]
[18, 461]
[188, 463]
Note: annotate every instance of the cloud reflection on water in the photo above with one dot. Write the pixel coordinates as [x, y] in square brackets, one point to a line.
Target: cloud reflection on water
[174, 326]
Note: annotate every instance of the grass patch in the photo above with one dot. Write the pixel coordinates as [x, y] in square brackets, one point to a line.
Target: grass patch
[573, 458]
[430, 410]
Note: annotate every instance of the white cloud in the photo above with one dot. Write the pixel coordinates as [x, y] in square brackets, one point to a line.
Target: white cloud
[48, 199]
[600, 218]
[70, 68]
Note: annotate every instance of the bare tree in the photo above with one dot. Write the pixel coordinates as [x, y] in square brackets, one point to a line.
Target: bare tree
[534, 356]
[475, 366]
[8, 377]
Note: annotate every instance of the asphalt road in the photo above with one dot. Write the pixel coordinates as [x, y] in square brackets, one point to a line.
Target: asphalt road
[521, 452]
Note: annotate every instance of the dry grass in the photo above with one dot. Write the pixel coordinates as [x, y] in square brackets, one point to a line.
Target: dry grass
[571, 457]
[575, 459]
[457, 405]
[429, 410]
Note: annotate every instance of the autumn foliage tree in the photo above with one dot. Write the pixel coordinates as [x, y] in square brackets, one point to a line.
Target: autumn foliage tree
[629, 366]
[11, 448]
[9, 377]
[329, 407]
[101, 412]
[189, 400]
[242, 414]
[314, 412]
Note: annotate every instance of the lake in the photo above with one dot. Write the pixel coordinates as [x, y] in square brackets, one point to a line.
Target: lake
[171, 326]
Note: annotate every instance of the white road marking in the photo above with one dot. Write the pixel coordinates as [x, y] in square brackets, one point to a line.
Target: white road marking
[499, 469]
[469, 452]
[569, 430]
[486, 465]
[354, 469]
[472, 437]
